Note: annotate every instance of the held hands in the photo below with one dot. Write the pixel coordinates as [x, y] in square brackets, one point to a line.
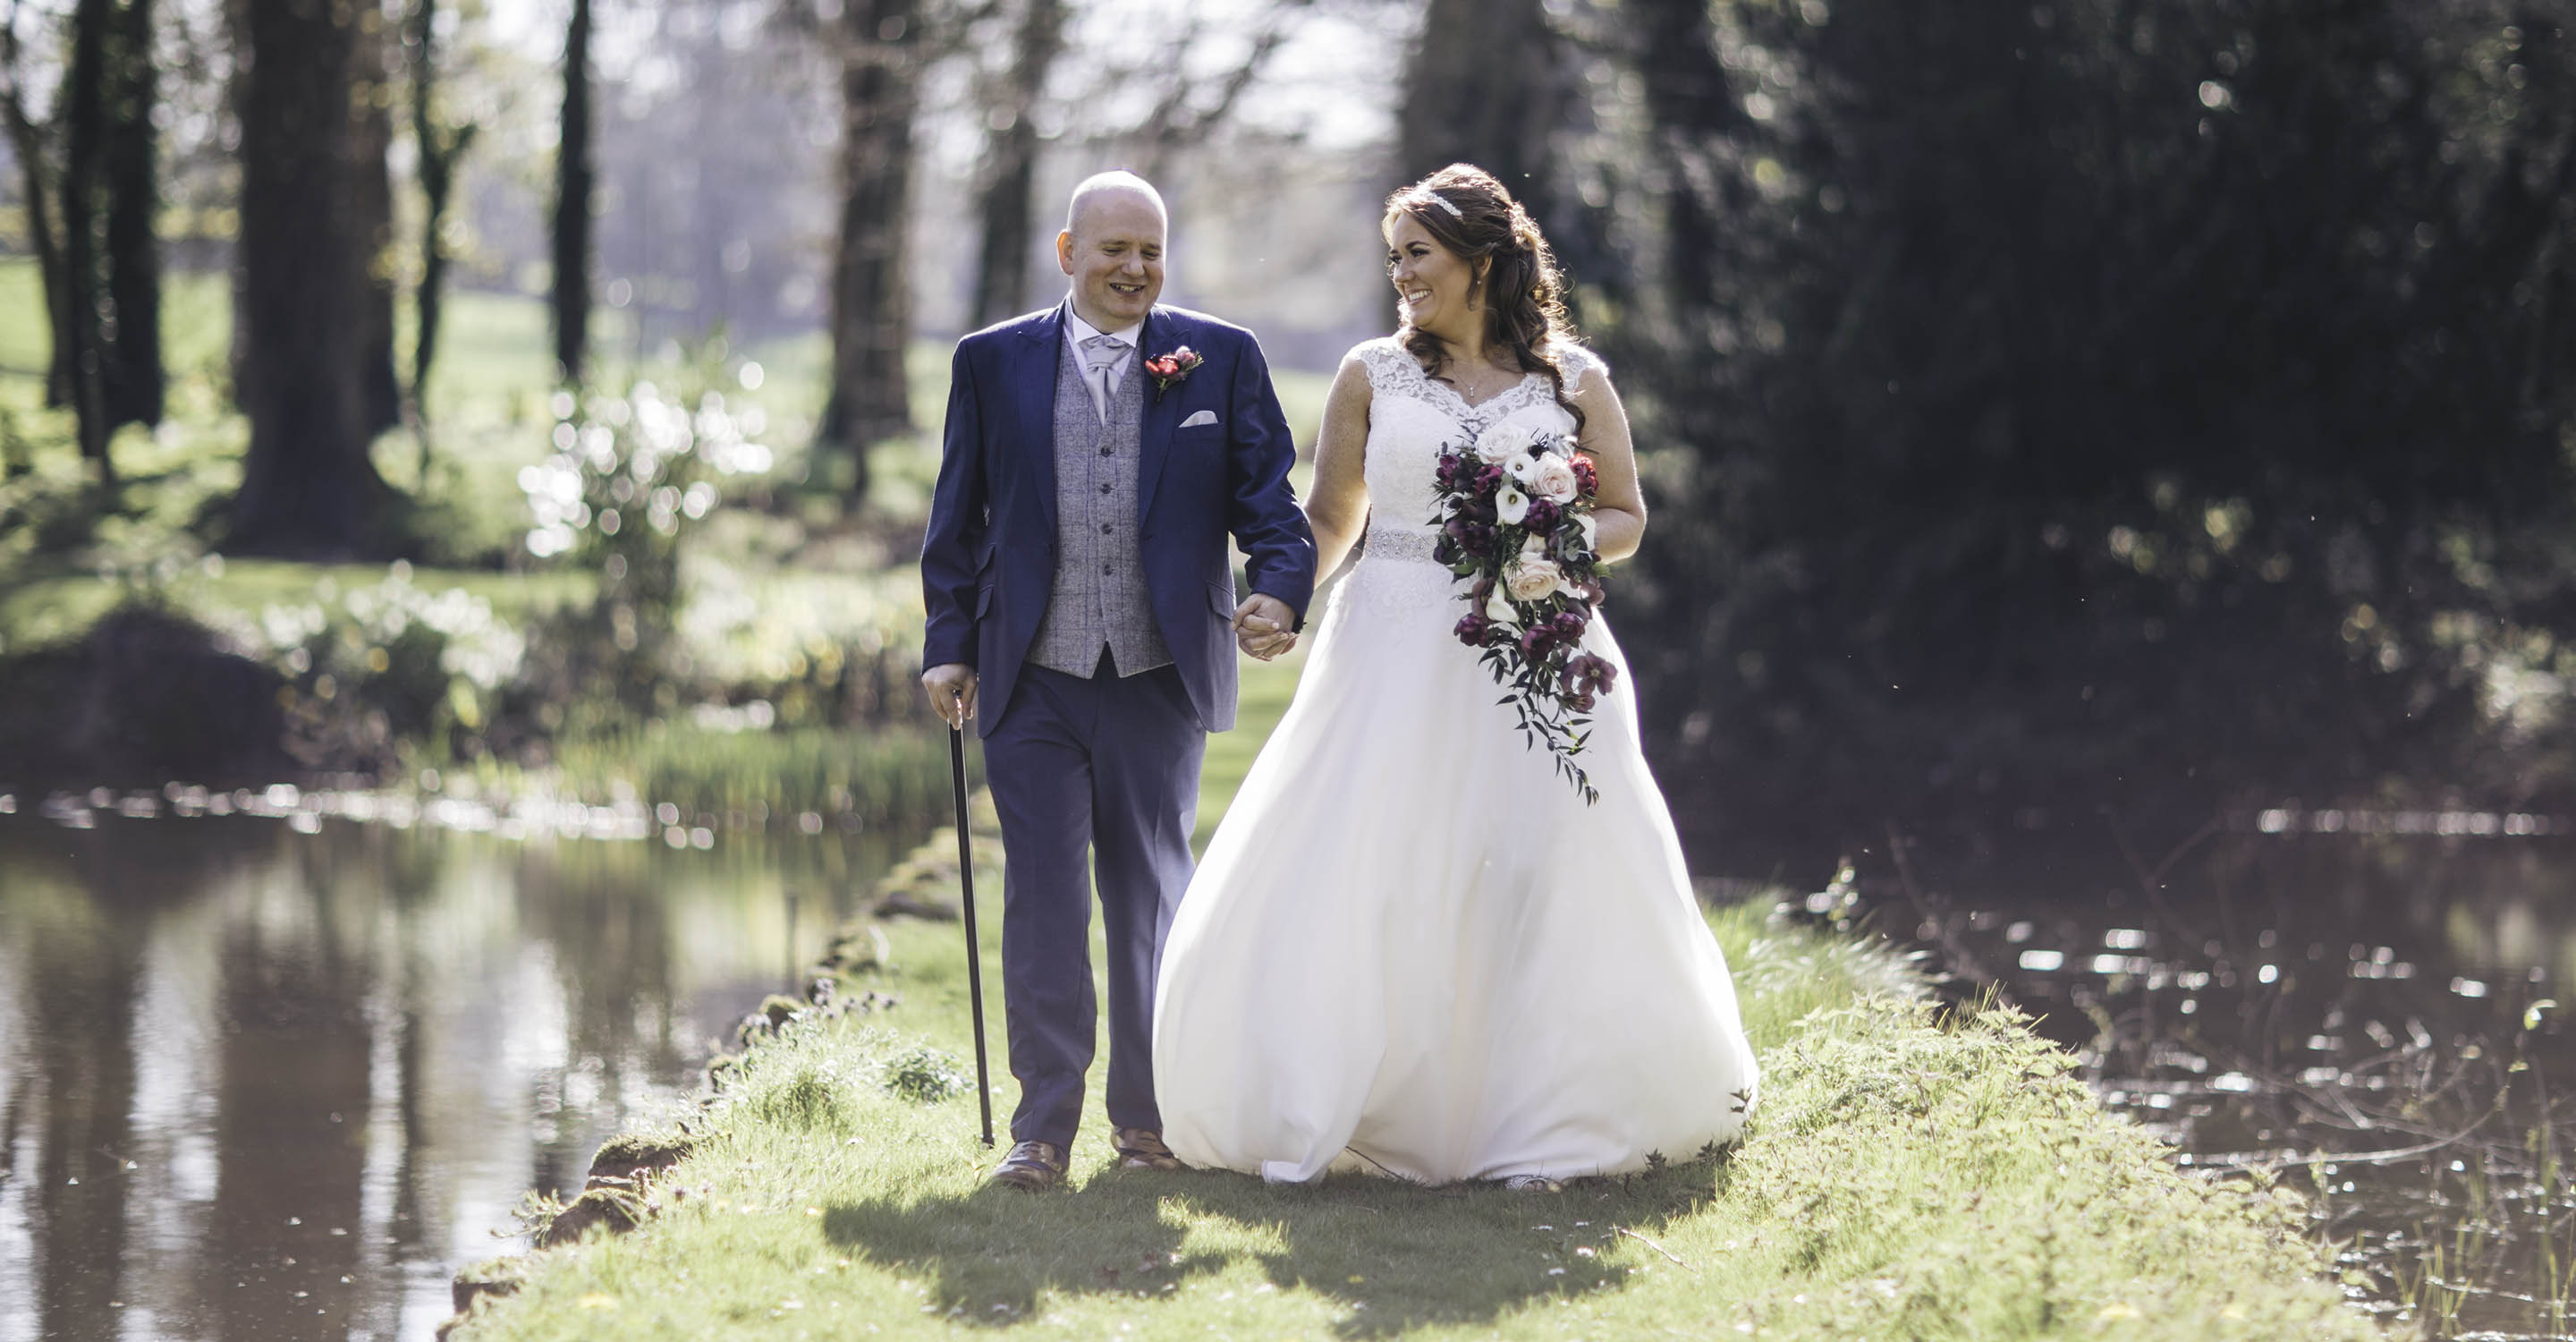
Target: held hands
[951, 688]
[1264, 626]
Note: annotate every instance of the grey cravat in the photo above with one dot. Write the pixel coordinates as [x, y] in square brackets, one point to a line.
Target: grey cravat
[1100, 355]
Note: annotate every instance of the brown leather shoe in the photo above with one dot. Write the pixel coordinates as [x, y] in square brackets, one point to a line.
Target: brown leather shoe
[1143, 1149]
[1034, 1166]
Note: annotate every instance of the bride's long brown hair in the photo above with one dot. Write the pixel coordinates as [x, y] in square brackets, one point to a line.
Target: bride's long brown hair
[1474, 216]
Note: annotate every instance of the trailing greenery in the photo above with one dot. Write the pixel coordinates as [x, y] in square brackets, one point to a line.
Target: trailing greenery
[1914, 1172]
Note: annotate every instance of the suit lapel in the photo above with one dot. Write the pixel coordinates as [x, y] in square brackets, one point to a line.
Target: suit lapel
[1034, 391]
[1161, 410]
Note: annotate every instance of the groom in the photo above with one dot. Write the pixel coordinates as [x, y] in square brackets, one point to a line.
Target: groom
[1082, 611]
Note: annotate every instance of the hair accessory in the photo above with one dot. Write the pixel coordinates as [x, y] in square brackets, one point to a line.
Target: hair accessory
[1443, 202]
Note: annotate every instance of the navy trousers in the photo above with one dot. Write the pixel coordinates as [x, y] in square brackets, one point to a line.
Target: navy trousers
[1104, 768]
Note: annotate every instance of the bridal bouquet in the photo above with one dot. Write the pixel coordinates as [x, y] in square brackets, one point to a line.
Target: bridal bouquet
[1515, 519]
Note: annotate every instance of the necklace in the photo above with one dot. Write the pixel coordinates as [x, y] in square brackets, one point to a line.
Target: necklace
[1481, 384]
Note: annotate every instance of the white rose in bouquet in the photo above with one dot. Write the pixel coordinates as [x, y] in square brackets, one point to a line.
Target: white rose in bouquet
[1529, 579]
[1503, 442]
[1552, 479]
[1511, 505]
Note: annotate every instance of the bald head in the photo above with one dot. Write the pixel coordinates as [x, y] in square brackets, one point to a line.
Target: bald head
[1112, 248]
[1108, 188]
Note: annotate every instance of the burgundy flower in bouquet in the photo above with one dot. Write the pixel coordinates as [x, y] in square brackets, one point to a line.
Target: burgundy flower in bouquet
[1515, 524]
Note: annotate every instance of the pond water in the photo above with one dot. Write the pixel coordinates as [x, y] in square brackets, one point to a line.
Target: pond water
[277, 1075]
[2368, 1005]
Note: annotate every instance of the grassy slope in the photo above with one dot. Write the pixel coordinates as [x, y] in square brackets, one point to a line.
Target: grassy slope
[1908, 1177]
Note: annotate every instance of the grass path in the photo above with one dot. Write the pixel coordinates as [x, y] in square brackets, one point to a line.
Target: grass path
[1913, 1174]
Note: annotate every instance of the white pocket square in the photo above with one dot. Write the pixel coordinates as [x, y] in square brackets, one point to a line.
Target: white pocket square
[1202, 417]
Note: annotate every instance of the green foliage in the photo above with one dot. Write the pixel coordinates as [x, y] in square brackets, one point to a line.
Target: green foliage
[807, 1099]
[926, 1075]
[385, 661]
[2076, 403]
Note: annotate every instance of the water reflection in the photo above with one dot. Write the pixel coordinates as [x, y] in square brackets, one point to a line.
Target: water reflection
[2369, 1010]
[267, 1084]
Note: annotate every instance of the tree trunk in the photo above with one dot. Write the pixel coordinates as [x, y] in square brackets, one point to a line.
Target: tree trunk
[27, 144]
[1485, 87]
[1010, 163]
[1689, 105]
[1490, 84]
[308, 487]
[440, 147]
[83, 360]
[136, 384]
[871, 300]
[573, 178]
[371, 205]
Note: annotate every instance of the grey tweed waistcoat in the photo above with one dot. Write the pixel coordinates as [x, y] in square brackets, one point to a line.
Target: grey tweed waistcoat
[1099, 599]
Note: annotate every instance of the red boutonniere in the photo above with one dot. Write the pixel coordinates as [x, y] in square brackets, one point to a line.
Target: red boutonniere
[1171, 369]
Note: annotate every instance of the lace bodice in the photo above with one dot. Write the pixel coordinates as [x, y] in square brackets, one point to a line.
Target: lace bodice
[1412, 417]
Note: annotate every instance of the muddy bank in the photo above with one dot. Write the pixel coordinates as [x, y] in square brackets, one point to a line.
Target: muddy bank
[144, 696]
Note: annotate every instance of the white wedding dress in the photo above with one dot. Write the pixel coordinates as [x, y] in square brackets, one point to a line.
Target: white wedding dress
[1412, 948]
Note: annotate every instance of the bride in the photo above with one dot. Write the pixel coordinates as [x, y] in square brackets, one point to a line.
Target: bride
[1412, 948]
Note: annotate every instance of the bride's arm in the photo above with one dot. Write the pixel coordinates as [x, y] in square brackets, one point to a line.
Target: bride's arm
[1620, 511]
[1338, 505]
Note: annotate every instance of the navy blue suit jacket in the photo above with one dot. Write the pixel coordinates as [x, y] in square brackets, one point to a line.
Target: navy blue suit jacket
[988, 560]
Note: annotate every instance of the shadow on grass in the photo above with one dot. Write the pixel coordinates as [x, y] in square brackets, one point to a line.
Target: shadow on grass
[1389, 1256]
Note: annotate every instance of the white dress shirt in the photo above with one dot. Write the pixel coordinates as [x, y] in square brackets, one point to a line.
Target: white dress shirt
[1102, 381]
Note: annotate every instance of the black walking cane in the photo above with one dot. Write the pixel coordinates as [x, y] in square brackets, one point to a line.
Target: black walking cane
[974, 947]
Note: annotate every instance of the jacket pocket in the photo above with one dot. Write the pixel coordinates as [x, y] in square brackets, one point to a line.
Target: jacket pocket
[983, 601]
[1221, 598]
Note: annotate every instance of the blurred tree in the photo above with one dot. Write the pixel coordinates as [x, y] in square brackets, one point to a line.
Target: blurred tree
[1003, 200]
[1488, 83]
[572, 204]
[80, 351]
[2082, 404]
[301, 291]
[87, 171]
[1500, 84]
[881, 52]
[440, 144]
[1188, 112]
[130, 170]
[371, 198]
[30, 144]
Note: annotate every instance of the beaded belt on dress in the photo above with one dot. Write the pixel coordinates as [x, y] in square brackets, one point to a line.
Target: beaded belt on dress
[1391, 543]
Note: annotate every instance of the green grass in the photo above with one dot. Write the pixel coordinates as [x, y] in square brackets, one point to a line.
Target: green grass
[1913, 1173]
[1266, 689]
[895, 777]
[792, 561]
